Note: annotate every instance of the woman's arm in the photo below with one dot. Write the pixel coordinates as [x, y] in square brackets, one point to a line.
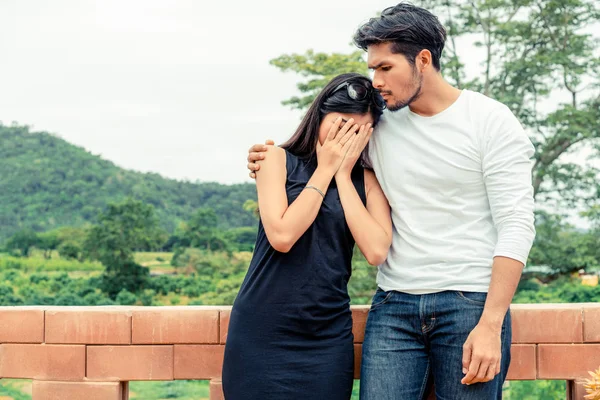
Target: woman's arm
[370, 226]
[284, 225]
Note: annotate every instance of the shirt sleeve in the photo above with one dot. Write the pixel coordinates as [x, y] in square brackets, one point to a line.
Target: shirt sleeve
[507, 168]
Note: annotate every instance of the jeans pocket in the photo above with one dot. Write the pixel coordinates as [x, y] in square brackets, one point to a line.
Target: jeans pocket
[477, 298]
[381, 297]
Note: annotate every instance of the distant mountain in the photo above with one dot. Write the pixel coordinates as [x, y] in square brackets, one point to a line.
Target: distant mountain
[46, 182]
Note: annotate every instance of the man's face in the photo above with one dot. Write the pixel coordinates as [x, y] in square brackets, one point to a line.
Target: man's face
[398, 81]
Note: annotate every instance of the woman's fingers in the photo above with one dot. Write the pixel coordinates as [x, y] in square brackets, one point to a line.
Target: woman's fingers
[348, 125]
[335, 130]
[350, 144]
[335, 127]
[349, 133]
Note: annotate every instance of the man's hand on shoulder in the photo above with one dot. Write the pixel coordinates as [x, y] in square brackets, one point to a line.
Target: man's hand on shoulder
[257, 153]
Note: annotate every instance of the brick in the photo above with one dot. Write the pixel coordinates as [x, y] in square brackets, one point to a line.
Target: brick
[357, 360]
[175, 325]
[591, 323]
[224, 325]
[575, 391]
[130, 363]
[48, 390]
[88, 326]
[547, 323]
[359, 321]
[198, 361]
[523, 363]
[216, 390]
[567, 361]
[125, 390]
[42, 361]
[21, 325]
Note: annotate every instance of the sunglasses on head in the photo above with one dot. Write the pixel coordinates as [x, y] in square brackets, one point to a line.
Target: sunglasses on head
[358, 92]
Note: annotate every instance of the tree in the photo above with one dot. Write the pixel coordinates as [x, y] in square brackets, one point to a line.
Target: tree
[252, 207]
[49, 183]
[69, 250]
[561, 249]
[242, 239]
[22, 242]
[48, 241]
[539, 58]
[202, 232]
[121, 230]
[318, 68]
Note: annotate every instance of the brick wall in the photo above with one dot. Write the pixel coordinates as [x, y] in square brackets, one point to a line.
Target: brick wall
[92, 352]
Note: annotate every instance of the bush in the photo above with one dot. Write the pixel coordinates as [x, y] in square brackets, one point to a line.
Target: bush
[37, 278]
[68, 299]
[130, 276]
[126, 298]
[69, 251]
[147, 297]
[97, 299]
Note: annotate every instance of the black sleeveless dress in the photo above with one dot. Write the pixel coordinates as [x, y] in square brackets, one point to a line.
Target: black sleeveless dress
[290, 330]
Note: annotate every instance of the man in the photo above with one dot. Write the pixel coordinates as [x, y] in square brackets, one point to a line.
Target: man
[455, 167]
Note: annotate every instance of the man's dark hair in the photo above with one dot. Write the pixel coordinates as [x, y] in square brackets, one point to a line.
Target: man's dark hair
[408, 28]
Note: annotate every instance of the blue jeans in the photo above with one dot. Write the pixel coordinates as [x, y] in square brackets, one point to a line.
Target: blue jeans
[411, 340]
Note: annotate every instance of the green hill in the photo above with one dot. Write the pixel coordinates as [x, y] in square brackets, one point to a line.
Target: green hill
[46, 182]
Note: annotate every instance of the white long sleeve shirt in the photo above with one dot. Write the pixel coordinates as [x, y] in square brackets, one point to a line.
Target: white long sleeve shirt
[459, 186]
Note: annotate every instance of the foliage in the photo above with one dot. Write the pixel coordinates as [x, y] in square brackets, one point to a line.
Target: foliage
[563, 290]
[241, 239]
[201, 231]
[121, 230]
[318, 69]
[562, 248]
[539, 58]
[362, 283]
[126, 298]
[36, 264]
[22, 241]
[535, 390]
[182, 390]
[13, 389]
[69, 250]
[536, 52]
[48, 183]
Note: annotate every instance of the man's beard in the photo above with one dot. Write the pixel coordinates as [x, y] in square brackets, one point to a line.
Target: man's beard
[399, 105]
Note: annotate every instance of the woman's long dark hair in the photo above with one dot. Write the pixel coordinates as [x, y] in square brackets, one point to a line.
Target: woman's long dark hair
[303, 142]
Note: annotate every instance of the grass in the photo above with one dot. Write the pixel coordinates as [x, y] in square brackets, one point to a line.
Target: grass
[15, 389]
[38, 263]
[182, 390]
[158, 262]
[150, 259]
[20, 389]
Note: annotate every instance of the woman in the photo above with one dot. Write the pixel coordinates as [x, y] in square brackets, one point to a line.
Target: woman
[290, 331]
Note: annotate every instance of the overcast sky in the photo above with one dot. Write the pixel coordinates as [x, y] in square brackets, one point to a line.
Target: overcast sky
[178, 87]
[182, 87]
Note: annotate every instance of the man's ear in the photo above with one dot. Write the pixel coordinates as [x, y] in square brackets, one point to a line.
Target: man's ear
[423, 60]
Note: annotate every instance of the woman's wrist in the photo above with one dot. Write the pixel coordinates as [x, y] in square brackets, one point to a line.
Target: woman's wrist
[325, 172]
[343, 174]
